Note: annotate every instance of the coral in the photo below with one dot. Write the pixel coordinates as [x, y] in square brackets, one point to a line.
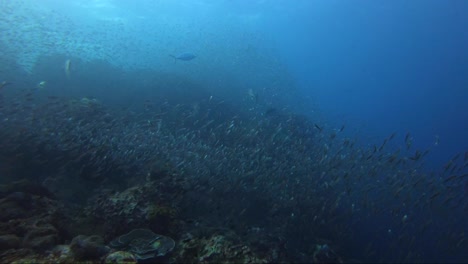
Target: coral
[143, 205]
[144, 244]
[216, 249]
[31, 218]
[161, 217]
[60, 254]
[120, 257]
[117, 212]
[155, 211]
[324, 254]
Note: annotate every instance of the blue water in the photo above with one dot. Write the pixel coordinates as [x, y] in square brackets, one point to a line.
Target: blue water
[361, 69]
[384, 66]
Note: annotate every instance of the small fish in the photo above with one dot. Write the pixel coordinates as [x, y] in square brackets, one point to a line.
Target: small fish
[408, 141]
[67, 68]
[434, 196]
[184, 57]
[346, 142]
[41, 85]
[3, 84]
[383, 144]
[253, 95]
[450, 178]
[416, 156]
[318, 127]
[448, 165]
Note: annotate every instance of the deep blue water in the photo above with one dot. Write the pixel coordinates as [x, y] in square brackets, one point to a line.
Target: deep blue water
[374, 67]
[384, 66]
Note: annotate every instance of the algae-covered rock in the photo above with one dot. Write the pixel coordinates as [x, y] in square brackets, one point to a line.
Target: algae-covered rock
[144, 244]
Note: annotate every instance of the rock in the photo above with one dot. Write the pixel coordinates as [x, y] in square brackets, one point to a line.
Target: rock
[17, 256]
[9, 241]
[12, 207]
[88, 247]
[25, 186]
[40, 238]
[60, 254]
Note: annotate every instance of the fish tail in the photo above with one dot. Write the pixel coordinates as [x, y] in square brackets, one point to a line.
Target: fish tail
[175, 59]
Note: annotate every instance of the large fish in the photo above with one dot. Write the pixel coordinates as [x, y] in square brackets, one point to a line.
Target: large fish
[184, 57]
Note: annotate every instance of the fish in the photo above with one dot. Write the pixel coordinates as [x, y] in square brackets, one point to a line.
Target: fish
[253, 95]
[434, 196]
[41, 85]
[416, 156]
[383, 144]
[184, 57]
[450, 178]
[318, 127]
[3, 84]
[408, 140]
[67, 68]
